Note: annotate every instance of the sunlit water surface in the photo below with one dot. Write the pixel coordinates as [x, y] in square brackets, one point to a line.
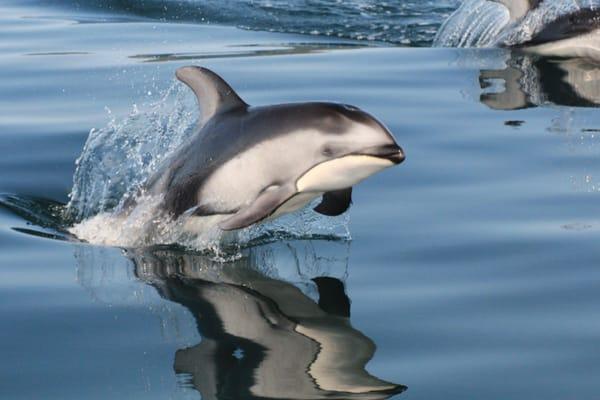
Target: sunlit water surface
[473, 267]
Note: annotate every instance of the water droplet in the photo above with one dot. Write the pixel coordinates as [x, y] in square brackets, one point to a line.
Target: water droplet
[238, 353]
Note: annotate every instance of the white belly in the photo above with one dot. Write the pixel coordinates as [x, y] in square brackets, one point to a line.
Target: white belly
[340, 173]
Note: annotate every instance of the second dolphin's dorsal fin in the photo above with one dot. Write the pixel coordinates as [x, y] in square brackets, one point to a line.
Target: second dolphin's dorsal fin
[214, 95]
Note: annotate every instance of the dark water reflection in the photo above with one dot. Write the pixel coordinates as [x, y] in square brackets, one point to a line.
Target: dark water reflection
[531, 81]
[264, 336]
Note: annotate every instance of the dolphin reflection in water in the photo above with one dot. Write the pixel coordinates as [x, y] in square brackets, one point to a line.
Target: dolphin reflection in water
[263, 337]
[532, 81]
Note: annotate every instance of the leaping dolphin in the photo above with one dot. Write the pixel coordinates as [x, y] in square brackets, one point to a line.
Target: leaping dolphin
[572, 34]
[538, 26]
[245, 164]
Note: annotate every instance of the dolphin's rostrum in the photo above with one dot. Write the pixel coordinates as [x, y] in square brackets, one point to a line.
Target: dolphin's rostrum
[246, 164]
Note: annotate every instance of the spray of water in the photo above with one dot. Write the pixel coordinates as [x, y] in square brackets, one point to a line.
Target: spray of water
[476, 23]
[117, 159]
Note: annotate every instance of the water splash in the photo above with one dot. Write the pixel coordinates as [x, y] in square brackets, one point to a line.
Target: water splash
[484, 23]
[117, 159]
[476, 23]
[148, 226]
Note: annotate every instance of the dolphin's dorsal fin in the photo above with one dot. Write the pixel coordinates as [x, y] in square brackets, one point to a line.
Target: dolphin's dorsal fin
[518, 8]
[214, 95]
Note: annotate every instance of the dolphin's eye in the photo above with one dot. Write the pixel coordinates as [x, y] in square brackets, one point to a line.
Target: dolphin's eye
[327, 151]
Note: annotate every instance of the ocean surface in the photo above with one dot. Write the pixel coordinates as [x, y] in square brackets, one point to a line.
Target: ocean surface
[470, 271]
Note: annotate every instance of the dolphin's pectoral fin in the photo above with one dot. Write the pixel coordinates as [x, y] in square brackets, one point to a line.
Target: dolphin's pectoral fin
[335, 203]
[214, 95]
[265, 204]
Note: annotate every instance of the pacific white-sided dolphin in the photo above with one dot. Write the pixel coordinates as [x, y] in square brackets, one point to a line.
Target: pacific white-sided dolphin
[246, 164]
[544, 27]
[572, 34]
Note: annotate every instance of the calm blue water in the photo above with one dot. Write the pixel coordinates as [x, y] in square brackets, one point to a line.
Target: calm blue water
[473, 267]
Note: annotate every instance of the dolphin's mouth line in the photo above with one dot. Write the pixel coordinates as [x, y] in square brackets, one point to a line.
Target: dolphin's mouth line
[391, 152]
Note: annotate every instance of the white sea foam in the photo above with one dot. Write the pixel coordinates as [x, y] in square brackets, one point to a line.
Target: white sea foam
[147, 225]
[476, 23]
